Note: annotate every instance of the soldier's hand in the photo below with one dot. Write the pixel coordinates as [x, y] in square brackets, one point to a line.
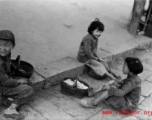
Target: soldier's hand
[22, 71]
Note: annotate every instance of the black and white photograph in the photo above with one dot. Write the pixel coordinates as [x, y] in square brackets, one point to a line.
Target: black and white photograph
[75, 59]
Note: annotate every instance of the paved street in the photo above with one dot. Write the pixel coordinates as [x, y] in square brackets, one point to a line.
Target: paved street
[51, 104]
[48, 36]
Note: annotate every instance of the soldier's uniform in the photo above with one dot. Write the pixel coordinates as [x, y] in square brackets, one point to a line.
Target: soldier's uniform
[11, 88]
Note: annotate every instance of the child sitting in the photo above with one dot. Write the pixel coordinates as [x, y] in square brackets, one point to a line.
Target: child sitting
[126, 95]
[88, 46]
[17, 91]
[88, 49]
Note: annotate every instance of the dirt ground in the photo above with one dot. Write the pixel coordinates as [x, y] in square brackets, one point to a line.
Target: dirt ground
[47, 30]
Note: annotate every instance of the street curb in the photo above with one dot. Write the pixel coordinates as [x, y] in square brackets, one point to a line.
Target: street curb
[113, 60]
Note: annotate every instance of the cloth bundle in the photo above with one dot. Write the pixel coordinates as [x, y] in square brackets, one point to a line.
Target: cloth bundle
[78, 84]
[97, 70]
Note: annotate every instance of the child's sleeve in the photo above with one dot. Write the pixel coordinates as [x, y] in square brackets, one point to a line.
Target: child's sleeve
[5, 80]
[113, 83]
[129, 86]
[88, 48]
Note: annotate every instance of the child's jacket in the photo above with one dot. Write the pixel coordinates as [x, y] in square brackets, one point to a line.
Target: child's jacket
[130, 90]
[88, 48]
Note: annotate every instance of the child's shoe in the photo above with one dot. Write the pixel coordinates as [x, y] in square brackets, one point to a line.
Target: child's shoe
[87, 103]
[12, 113]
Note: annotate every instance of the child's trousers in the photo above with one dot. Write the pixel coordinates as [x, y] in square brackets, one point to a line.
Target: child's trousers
[20, 94]
[120, 103]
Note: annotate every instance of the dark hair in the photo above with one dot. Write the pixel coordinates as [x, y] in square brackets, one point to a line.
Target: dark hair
[134, 65]
[96, 24]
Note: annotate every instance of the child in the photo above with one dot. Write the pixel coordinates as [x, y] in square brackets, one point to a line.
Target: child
[16, 91]
[88, 48]
[127, 96]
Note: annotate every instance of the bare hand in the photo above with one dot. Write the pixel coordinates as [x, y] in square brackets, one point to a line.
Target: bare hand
[22, 71]
[101, 60]
[23, 81]
[105, 87]
[116, 84]
[96, 58]
[118, 80]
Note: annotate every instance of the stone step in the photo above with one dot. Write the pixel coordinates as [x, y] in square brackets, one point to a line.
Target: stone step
[142, 115]
[52, 104]
[48, 110]
[146, 88]
[52, 73]
[31, 114]
[27, 111]
[2, 108]
[71, 105]
[143, 54]
[68, 104]
[102, 116]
